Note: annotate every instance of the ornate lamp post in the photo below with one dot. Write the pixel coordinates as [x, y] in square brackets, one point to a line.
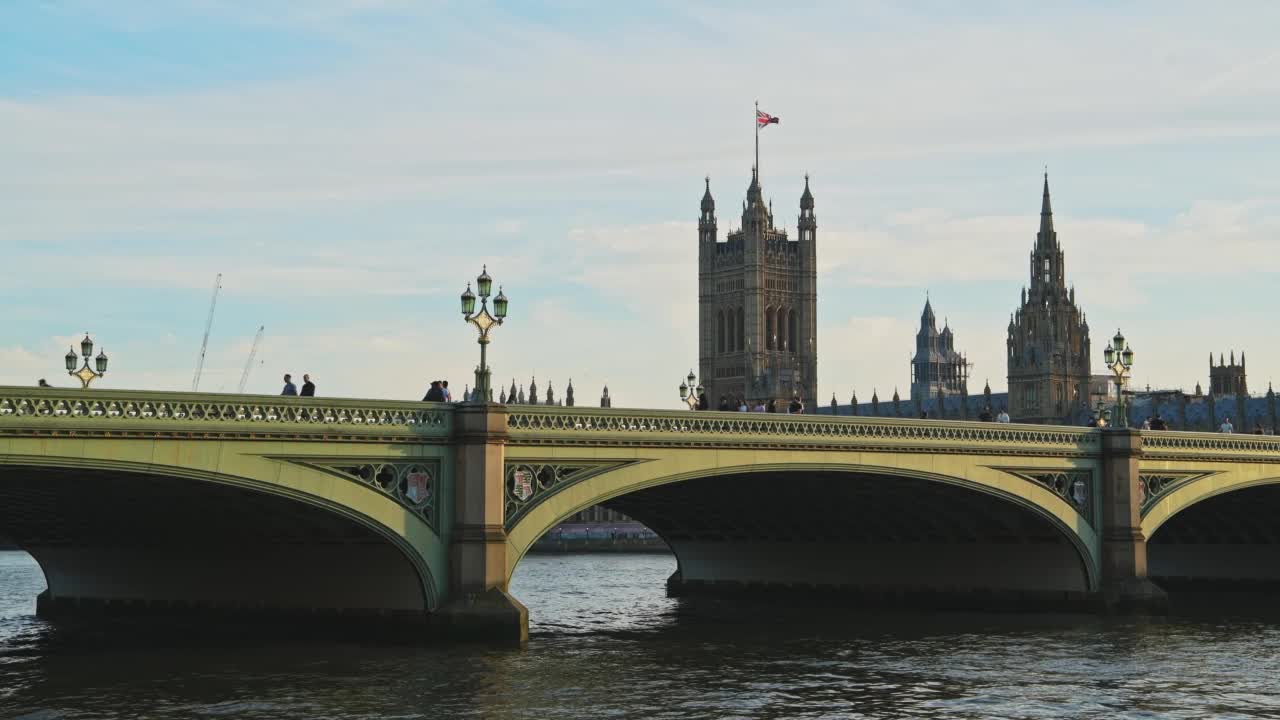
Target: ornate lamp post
[1119, 359]
[86, 373]
[484, 322]
[689, 394]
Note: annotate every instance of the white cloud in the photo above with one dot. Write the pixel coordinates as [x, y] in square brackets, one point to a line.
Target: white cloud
[564, 142]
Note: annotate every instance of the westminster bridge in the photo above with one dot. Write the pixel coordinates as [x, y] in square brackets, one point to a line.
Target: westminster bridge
[152, 502]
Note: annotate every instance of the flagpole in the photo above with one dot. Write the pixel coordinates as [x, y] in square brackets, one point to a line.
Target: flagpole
[756, 119]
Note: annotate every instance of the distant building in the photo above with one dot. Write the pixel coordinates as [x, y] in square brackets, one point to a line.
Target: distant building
[936, 364]
[757, 296]
[1227, 378]
[1048, 347]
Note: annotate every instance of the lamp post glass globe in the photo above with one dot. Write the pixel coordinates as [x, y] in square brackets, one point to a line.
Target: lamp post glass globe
[468, 301]
[101, 361]
[684, 390]
[1127, 356]
[86, 346]
[1109, 355]
[71, 361]
[484, 283]
[500, 305]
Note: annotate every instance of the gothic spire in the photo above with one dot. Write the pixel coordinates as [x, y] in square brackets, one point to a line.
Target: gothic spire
[708, 202]
[1046, 216]
[753, 190]
[806, 200]
[927, 318]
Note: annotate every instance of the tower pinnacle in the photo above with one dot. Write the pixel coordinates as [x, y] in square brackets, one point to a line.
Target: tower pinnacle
[1046, 214]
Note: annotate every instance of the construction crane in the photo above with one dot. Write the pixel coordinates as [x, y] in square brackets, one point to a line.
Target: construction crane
[208, 324]
[248, 365]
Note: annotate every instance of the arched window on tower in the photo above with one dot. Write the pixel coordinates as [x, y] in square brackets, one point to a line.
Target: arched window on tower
[720, 331]
[778, 318]
[731, 337]
[770, 330]
[742, 331]
[791, 332]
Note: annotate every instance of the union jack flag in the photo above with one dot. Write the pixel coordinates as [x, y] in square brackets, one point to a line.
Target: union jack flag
[763, 118]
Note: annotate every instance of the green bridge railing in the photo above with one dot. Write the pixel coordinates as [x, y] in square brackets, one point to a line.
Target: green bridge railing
[134, 412]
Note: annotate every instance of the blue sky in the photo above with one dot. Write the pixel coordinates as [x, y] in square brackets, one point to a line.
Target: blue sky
[349, 164]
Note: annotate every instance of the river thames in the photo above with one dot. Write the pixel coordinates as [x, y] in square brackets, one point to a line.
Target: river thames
[606, 642]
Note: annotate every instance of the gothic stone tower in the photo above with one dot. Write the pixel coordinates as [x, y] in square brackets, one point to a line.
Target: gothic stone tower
[757, 299]
[1048, 338]
[1227, 379]
[936, 364]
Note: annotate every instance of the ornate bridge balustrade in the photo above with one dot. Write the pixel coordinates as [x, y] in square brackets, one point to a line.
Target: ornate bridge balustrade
[103, 413]
[423, 511]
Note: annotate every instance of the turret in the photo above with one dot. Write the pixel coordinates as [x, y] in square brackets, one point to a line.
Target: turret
[928, 321]
[707, 221]
[808, 223]
[533, 391]
[568, 394]
[605, 401]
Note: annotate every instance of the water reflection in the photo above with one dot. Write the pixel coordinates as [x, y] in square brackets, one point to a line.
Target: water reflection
[607, 642]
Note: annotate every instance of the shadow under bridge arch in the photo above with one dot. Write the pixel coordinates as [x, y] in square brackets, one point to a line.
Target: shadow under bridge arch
[116, 536]
[868, 529]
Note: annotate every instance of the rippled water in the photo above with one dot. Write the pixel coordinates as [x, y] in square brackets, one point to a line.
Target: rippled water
[607, 643]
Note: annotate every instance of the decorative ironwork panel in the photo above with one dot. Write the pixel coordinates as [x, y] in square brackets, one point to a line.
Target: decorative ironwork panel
[1156, 485]
[78, 410]
[529, 483]
[1076, 487]
[414, 484]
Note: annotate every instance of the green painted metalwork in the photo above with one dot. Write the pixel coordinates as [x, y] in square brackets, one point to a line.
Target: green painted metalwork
[134, 412]
[529, 483]
[415, 484]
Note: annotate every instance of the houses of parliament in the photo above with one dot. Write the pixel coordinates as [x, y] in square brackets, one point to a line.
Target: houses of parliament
[757, 330]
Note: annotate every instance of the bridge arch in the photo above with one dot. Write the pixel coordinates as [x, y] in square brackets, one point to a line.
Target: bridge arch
[1214, 526]
[119, 533]
[1043, 516]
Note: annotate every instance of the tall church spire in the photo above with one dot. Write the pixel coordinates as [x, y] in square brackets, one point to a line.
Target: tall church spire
[1047, 236]
[1048, 344]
